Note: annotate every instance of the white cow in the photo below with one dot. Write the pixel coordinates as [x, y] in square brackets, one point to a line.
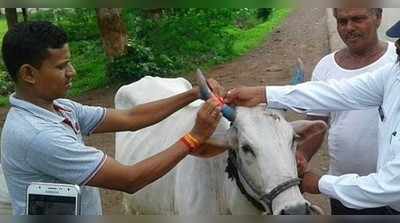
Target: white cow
[262, 147]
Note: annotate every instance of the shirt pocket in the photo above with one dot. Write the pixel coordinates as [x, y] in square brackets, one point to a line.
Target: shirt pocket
[395, 143]
[382, 133]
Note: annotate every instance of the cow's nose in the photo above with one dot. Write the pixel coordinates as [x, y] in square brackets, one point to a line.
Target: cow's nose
[298, 209]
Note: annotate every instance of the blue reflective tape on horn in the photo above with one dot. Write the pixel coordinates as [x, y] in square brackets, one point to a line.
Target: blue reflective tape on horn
[205, 93]
[228, 112]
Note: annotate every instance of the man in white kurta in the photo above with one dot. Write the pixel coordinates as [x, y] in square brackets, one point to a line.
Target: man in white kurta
[380, 88]
[353, 135]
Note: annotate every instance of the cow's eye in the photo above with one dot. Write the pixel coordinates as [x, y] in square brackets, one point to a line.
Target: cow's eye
[247, 149]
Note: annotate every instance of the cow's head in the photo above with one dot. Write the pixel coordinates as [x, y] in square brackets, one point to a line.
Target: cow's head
[262, 154]
[261, 159]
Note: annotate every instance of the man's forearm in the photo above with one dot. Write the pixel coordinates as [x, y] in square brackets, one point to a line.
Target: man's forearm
[310, 182]
[261, 94]
[153, 112]
[329, 96]
[246, 96]
[151, 169]
[130, 179]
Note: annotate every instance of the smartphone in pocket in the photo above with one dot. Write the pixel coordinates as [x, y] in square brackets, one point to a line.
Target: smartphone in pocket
[53, 199]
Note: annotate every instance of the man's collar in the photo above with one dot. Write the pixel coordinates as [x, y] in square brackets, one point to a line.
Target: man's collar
[37, 110]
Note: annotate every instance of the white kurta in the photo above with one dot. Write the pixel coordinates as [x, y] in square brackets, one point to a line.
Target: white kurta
[378, 88]
[352, 135]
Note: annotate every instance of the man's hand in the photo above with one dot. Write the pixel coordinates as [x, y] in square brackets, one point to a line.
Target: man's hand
[309, 184]
[207, 120]
[246, 96]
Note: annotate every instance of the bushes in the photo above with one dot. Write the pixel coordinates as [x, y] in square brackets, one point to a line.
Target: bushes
[264, 13]
[163, 42]
[137, 63]
[182, 39]
[79, 23]
[189, 37]
[6, 85]
[90, 61]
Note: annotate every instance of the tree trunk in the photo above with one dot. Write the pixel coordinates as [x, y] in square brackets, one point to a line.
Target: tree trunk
[25, 14]
[11, 17]
[113, 32]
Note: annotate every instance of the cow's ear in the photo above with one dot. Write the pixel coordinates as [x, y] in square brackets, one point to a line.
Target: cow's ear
[226, 139]
[211, 148]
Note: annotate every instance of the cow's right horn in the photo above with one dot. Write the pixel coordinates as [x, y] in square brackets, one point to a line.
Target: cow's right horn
[205, 93]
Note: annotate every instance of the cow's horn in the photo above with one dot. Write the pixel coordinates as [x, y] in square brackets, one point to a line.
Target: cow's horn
[205, 93]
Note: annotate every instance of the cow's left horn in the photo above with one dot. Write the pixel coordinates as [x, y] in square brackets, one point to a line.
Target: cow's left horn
[206, 93]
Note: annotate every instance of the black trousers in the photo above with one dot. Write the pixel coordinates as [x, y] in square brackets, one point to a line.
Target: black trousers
[337, 208]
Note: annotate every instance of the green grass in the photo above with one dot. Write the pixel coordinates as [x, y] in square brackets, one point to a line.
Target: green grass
[3, 28]
[90, 82]
[4, 101]
[254, 37]
[247, 40]
[90, 62]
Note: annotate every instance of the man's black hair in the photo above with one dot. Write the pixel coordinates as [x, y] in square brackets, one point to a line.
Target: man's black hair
[28, 43]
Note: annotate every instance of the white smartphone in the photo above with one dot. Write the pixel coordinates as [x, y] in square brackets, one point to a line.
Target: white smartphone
[52, 199]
